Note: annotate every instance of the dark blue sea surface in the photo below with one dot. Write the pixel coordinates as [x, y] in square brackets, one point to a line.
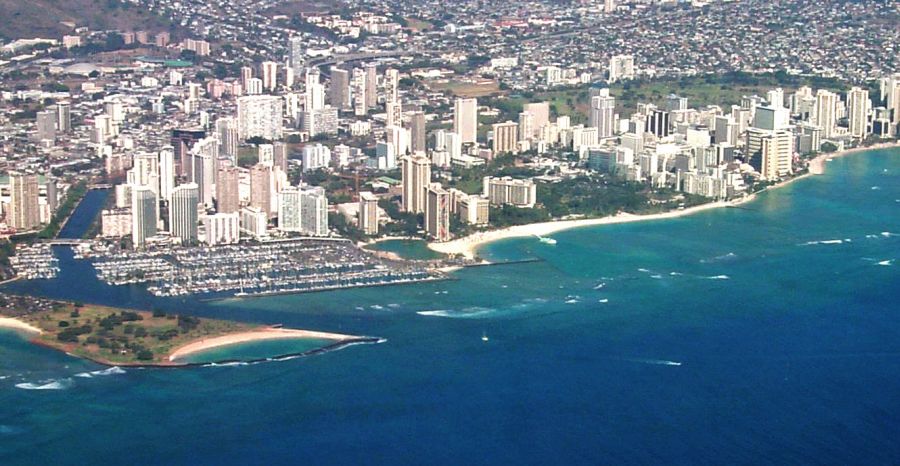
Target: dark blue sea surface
[767, 334]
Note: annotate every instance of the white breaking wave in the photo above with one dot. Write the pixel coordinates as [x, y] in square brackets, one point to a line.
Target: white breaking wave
[467, 313]
[603, 301]
[643, 270]
[61, 384]
[719, 277]
[876, 188]
[827, 241]
[600, 285]
[115, 370]
[723, 257]
[656, 276]
[377, 307]
[226, 364]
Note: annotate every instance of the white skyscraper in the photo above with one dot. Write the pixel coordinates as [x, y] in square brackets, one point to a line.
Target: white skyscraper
[358, 91]
[315, 91]
[144, 215]
[289, 208]
[183, 213]
[858, 112]
[314, 157]
[391, 85]
[465, 119]
[415, 176]
[145, 171]
[621, 67]
[166, 172]
[204, 158]
[314, 212]
[296, 54]
[270, 75]
[260, 116]
[826, 112]
[603, 113]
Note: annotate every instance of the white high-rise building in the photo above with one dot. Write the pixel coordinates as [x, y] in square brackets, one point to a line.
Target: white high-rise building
[204, 158]
[465, 119]
[371, 84]
[314, 211]
[315, 91]
[609, 6]
[415, 177]
[526, 126]
[826, 112]
[221, 228]
[289, 208]
[437, 212]
[358, 90]
[603, 113]
[270, 75]
[621, 67]
[391, 85]
[227, 134]
[506, 190]
[145, 171]
[315, 157]
[23, 211]
[368, 213]
[254, 86]
[506, 138]
[260, 116]
[144, 215]
[183, 213]
[166, 172]
[296, 54]
[394, 113]
[858, 112]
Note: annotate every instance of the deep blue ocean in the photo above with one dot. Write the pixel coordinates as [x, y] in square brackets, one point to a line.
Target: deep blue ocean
[766, 334]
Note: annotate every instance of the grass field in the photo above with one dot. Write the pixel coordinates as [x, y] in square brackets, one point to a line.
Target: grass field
[117, 336]
[465, 89]
[700, 91]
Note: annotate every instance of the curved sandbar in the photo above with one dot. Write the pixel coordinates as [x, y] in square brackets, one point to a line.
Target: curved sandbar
[270, 333]
[15, 324]
[466, 246]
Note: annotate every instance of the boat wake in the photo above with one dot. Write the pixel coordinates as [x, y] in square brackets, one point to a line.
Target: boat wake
[654, 362]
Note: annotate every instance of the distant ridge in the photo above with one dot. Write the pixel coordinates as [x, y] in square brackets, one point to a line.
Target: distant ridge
[44, 18]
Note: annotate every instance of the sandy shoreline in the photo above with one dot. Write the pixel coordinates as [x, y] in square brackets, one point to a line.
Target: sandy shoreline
[15, 324]
[468, 245]
[252, 336]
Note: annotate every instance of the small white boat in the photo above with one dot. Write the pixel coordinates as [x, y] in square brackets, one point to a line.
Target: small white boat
[484, 337]
[545, 240]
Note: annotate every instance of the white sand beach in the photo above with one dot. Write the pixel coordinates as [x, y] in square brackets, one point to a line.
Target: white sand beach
[15, 324]
[468, 245]
[256, 335]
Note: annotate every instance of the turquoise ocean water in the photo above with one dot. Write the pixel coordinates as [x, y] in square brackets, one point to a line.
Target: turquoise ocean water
[767, 334]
